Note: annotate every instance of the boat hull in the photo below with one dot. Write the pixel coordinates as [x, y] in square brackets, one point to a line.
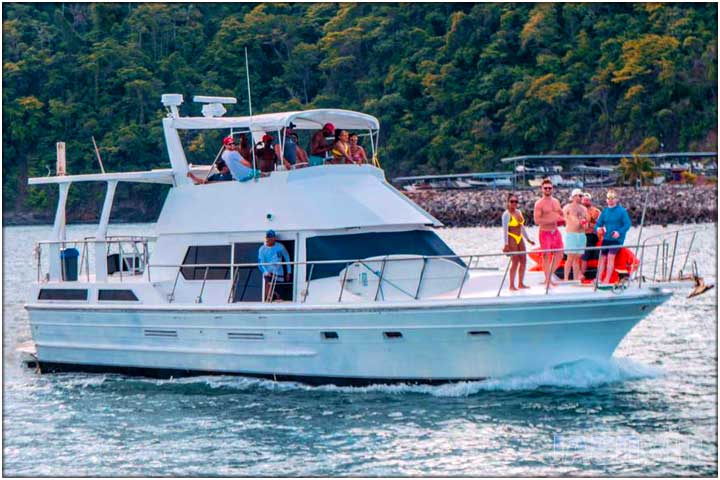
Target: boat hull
[429, 343]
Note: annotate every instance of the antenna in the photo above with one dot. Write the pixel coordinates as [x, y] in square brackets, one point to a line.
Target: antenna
[247, 75]
[97, 152]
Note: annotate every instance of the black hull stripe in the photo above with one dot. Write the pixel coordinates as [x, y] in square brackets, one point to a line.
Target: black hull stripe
[165, 373]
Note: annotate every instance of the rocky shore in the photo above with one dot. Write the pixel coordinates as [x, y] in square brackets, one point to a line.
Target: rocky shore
[666, 204]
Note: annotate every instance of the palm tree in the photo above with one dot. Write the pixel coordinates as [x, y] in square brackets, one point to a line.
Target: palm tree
[636, 169]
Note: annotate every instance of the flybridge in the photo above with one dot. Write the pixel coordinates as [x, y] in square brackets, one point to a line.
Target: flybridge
[213, 111]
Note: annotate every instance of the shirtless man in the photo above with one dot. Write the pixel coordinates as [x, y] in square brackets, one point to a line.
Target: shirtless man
[590, 235]
[318, 146]
[547, 213]
[576, 218]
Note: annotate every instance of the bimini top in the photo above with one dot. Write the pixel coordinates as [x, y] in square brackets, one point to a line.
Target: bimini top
[302, 120]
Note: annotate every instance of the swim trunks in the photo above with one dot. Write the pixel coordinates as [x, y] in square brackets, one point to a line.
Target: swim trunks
[551, 240]
[609, 242]
[575, 242]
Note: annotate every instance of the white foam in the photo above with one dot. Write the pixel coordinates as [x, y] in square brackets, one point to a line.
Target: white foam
[578, 375]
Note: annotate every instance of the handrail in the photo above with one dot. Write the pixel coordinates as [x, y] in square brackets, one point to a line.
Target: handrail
[391, 287]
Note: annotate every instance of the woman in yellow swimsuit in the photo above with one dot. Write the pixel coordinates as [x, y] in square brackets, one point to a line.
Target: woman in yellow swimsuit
[341, 148]
[514, 231]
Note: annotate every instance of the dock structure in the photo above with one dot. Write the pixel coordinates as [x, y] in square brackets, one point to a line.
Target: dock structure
[587, 170]
[600, 167]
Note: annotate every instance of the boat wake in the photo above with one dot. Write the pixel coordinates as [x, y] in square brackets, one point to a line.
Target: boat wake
[581, 375]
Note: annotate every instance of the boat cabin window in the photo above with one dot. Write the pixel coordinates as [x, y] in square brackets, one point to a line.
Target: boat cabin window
[364, 245]
[207, 255]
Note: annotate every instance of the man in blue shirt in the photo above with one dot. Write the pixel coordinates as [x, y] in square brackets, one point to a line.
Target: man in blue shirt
[269, 257]
[288, 154]
[613, 223]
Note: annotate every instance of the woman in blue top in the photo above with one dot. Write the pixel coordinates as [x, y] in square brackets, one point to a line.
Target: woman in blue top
[613, 223]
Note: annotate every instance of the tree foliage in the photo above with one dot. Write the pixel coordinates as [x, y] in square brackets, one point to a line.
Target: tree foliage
[456, 86]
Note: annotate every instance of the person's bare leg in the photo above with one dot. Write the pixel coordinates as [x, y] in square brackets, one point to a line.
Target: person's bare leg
[521, 272]
[556, 257]
[583, 267]
[578, 273]
[610, 267]
[600, 268]
[568, 266]
[547, 260]
[513, 269]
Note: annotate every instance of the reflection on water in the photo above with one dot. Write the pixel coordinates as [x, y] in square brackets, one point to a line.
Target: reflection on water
[648, 411]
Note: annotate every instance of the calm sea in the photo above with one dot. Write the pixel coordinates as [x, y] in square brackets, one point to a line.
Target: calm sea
[651, 410]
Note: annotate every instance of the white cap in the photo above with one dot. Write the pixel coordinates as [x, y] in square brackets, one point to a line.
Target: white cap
[576, 191]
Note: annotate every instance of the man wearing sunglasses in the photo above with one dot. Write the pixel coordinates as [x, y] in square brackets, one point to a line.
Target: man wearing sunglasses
[547, 214]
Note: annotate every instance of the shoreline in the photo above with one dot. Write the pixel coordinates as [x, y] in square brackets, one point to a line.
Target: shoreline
[667, 204]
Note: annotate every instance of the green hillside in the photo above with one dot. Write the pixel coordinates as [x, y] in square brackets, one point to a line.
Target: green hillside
[455, 86]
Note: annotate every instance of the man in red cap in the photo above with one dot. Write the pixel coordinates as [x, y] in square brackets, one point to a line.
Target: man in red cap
[319, 146]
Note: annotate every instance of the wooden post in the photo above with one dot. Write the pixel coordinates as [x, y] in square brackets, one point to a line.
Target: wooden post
[60, 166]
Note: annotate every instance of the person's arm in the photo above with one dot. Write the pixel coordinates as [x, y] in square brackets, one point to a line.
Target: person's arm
[626, 223]
[505, 224]
[524, 233]
[600, 224]
[537, 213]
[302, 156]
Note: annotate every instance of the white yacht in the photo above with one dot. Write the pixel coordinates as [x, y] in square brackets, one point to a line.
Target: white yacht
[372, 292]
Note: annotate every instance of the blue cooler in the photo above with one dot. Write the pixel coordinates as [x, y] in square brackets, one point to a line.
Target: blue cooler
[69, 260]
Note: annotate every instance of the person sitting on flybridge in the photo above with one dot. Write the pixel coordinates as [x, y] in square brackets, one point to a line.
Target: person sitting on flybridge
[319, 147]
[288, 152]
[222, 174]
[240, 169]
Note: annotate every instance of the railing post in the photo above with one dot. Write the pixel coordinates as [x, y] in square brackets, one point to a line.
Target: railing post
[422, 274]
[38, 252]
[672, 262]
[307, 284]
[692, 240]
[202, 287]
[657, 260]
[465, 275]
[233, 281]
[382, 272]
[640, 270]
[597, 270]
[507, 268]
[342, 285]
[172, 294]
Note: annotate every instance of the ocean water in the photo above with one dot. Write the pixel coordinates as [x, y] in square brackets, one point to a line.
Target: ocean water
[650, 410]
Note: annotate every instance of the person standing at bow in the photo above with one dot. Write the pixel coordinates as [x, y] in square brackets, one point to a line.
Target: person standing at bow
[547, 214]
[514, 232]
[576, 217]
[613, 224]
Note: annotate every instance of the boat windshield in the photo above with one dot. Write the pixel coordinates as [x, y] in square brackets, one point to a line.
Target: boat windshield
[366, 245]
